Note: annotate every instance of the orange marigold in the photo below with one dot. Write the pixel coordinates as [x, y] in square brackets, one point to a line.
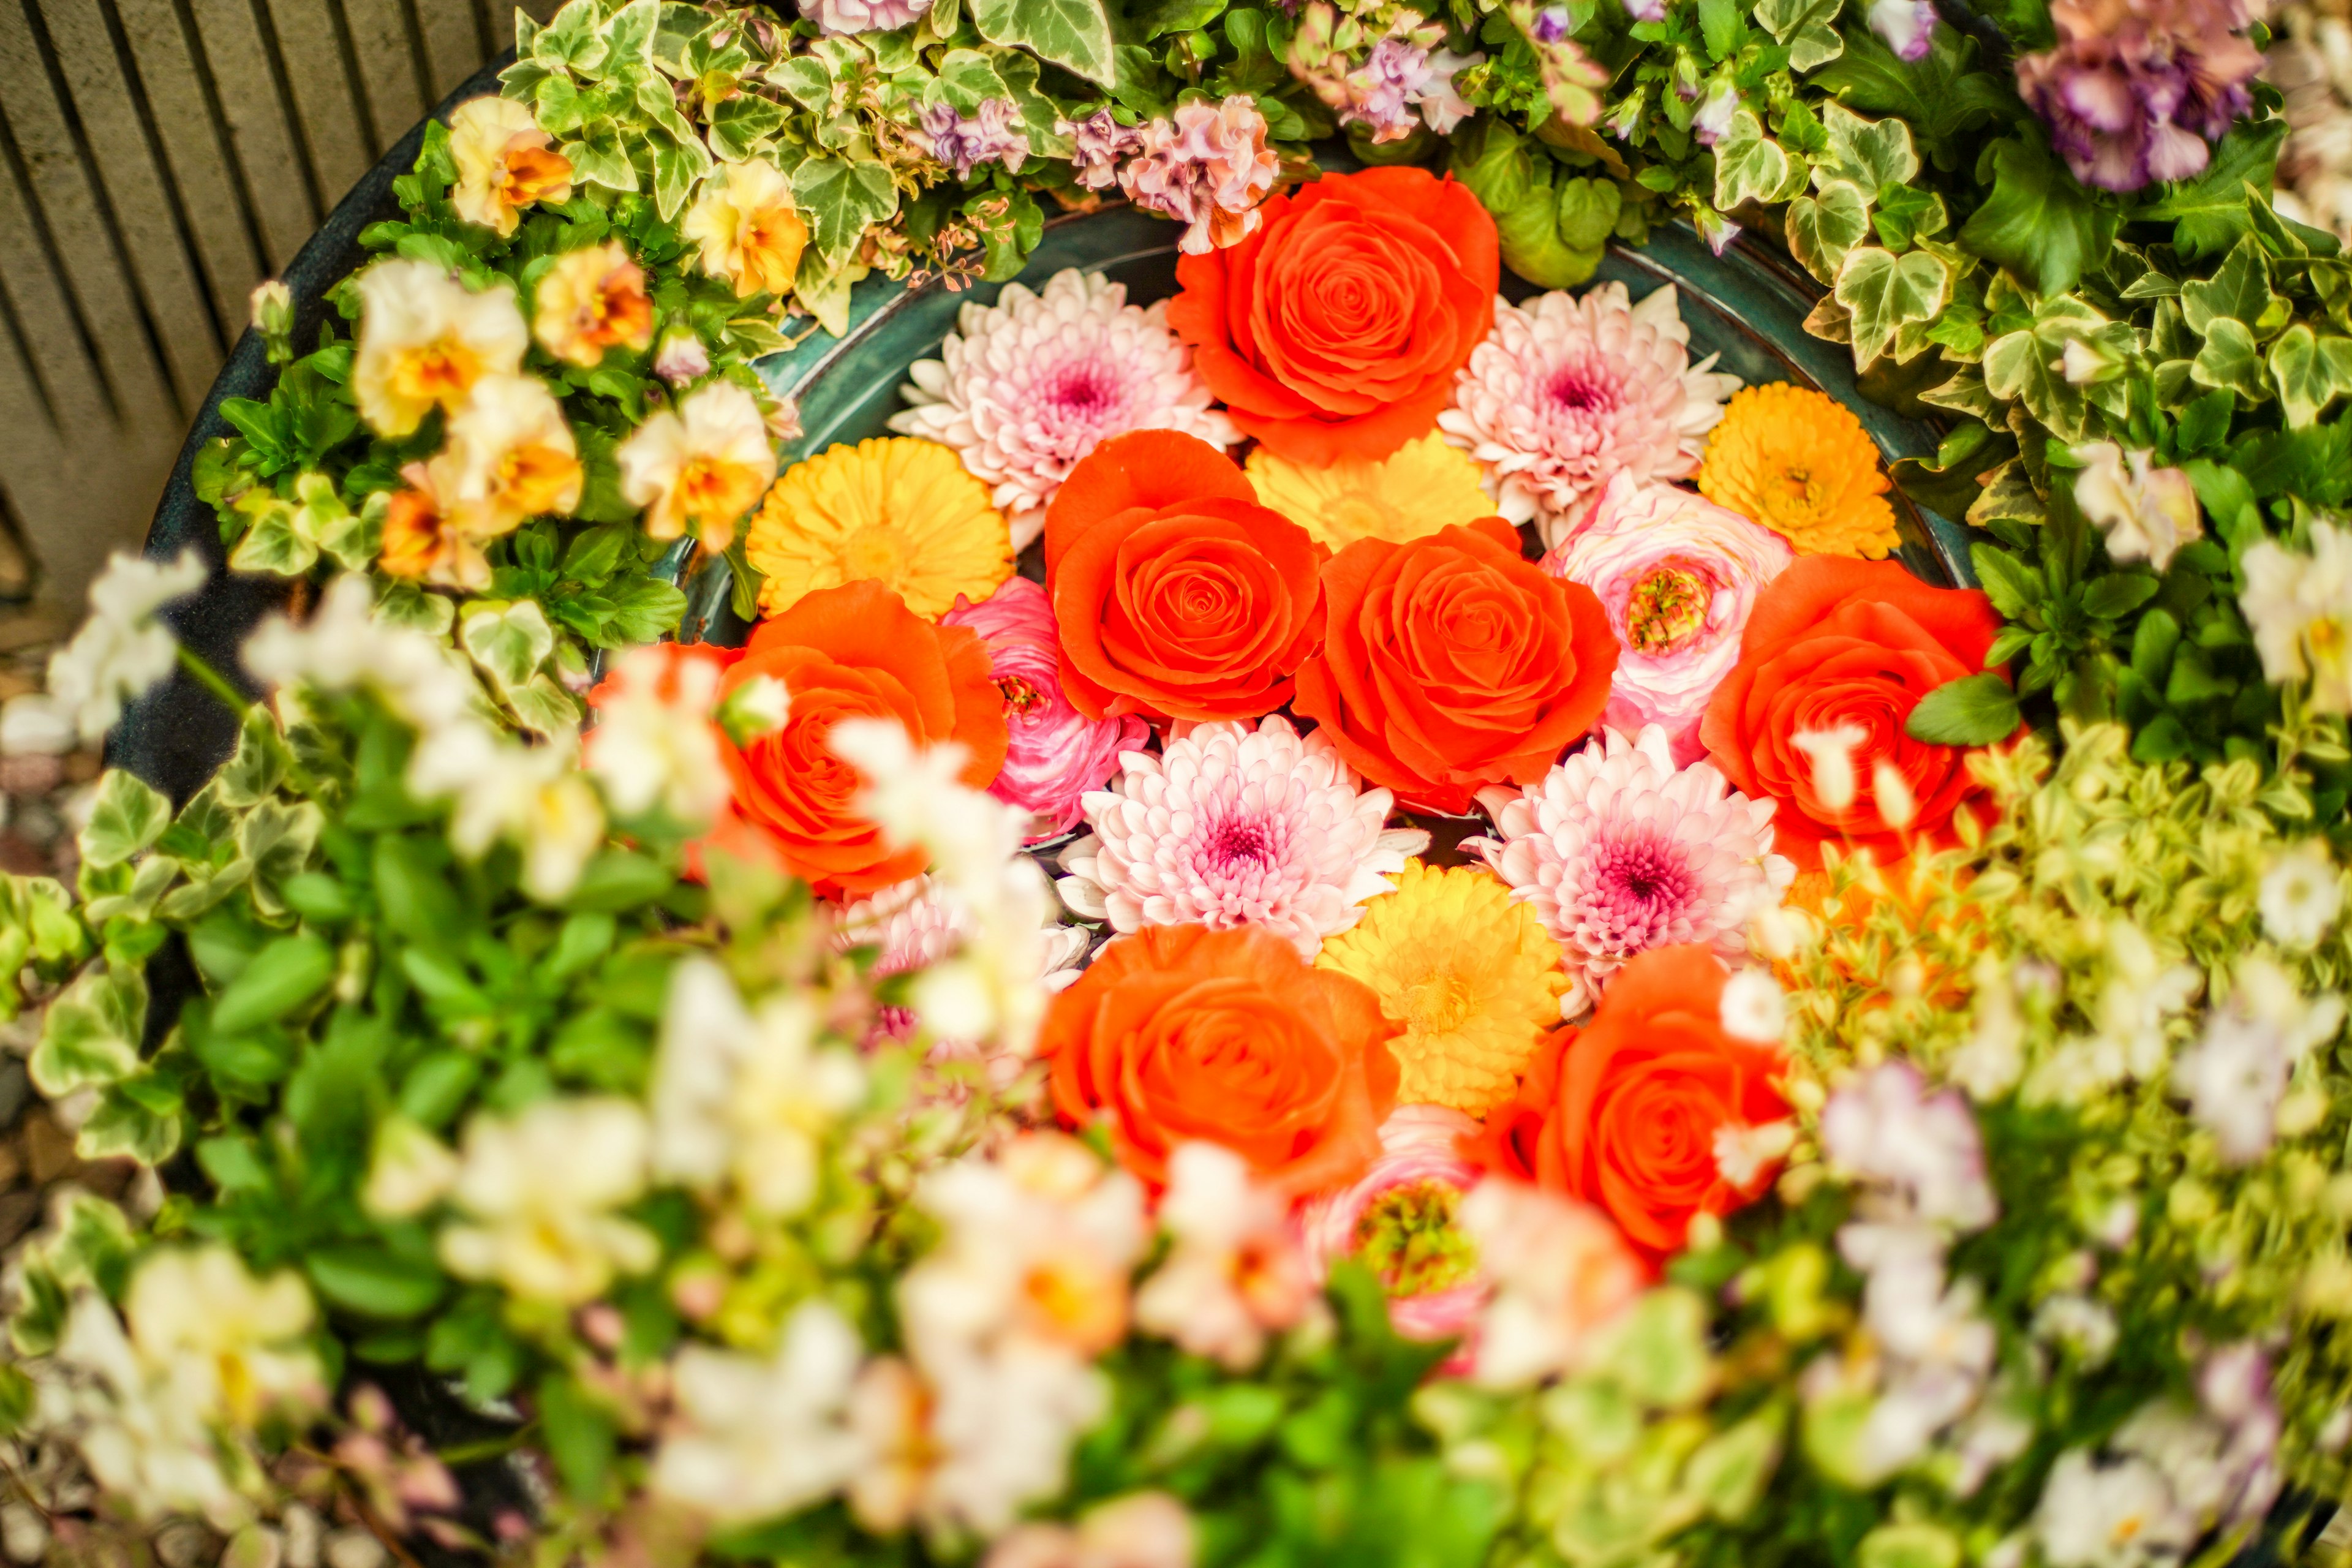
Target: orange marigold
[1799, 462]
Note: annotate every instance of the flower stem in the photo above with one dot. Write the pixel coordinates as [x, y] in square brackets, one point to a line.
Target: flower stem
[213, 681]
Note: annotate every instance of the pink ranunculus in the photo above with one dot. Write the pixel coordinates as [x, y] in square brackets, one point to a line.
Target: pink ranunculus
[1055, 753]
[1677, 574]
[1399, 1218]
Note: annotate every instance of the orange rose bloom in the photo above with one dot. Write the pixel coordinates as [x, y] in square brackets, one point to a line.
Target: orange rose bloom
[1175, 594]
[852, 651]
[1842, 647]
[1449, 662]
[1334, 329]
[1180, 1033]
[1624, 1113]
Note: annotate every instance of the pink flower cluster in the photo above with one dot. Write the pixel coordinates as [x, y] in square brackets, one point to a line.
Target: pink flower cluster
[1208, 167]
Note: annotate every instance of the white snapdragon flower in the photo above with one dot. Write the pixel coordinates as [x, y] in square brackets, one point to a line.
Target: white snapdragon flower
[654, 743]
[759, 1438]
[2299, 608]
[2079, 1322]
[1561, 1271]
[2301, 894]
[2146, 512]
[536, 797]
[742, 1098]
[2235, 1076]
[116, 655]
[2118, 1515]
[538, 1189]
[1237, 1271]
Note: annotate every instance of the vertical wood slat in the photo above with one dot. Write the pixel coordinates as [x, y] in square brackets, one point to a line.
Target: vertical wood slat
[278, 182]
[162, 269]
[388, 75]
[324, 97]
[454, 43]
[227, 241]
[65, 376]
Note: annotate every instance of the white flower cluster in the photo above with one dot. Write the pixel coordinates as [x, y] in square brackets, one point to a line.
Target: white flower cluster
[117, 655]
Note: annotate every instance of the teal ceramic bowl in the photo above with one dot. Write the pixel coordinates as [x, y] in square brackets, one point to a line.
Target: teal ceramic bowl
[1747, 307]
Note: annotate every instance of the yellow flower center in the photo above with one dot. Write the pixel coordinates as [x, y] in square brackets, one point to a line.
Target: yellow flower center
[2327, 639]
[1665, 609]
[532, 480]
[442, 371]
[1078, 1302]
[877, 550]
[1437, 1005]
[1358, 514]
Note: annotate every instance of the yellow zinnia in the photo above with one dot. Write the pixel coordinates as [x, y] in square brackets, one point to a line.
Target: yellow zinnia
[1424, 485]
[902, 513]
[1799, 462]
[1474, 978]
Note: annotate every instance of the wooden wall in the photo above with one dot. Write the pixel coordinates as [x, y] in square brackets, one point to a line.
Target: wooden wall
[157, 159]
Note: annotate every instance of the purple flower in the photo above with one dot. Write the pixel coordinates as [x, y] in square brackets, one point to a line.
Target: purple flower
[1551, 24]
[1100, 143]
[1208, 168]
[1908, 26]
[1053, 753]
[2136, 89]
[995, 135]
[1646, 10]
[1715, 112]
[1382, 91]
[862, 16]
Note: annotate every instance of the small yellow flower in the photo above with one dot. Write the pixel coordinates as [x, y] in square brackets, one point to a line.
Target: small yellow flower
[1473, 976]
[700, 468]
[505, 163]
[1799, 462]
[425, 339]
[899, 511]
[510, 458]
[750, 231]
[590, 301]
[422, 544]
[1424, 485]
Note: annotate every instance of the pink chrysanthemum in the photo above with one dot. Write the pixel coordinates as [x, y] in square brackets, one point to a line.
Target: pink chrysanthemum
[1233, 825]
[1621, 852]
[1678, 575]
[1053, 753]
[1400, 1217]
[1565, 392]
[1026, 388]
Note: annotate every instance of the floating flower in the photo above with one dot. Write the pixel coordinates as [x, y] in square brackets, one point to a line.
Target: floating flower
[1799, 462]
[1026, 388]
[1180, 1033]
[1618, 851]
[423, 542]
[505, 163]
[864, 16]
[2136, 89]
[510, 458]
[656, 743]
[1236, 825]
[1561, 1275]
[2235, 1076]
[2299, 608]
[915, 926]
[1208, 167]
[756, 1439]
[749, 232]
[1053, 753]
[228, 1342]
[540, 1188]
[590, 301]
[1566, 392]
[898, 513]
[425, 339]
[1236, 1271]
[122, 650]
[1469, 976]
[700, 468]
[2146, 513]
[990, 134]
[1421, 487]
[2301, 894]
[1403, 1220]
[1678, 576]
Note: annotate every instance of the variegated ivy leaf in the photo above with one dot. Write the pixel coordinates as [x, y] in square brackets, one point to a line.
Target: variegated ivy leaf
[2310, 373]
[407, 604]
[2240, 290]
[1072, 33]
[2231, 360]
[2023, 367]
[967, 79]
[1039, 114]
[545, 708]
[1883, 291]
[1807, 28]
[124, 892]
[742, 127]
[508, 641]
[271, 542]
[840, 196]
[91, 1036]
[2008, 494]
[1822, 229]
[274, 842]
[125, 818]
[1830, 322]
[139, 1118]
[1964, 393]
[824, 292]
[87, 1241]
[1873, 154]
[1750, 165]
[1726, 1474]
[322, 517]
[252, 773]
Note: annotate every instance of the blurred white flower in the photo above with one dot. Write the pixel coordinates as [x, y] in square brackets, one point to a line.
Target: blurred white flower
[2079, 1322]
[508, 456]
[154, 1452]
[534, 797]
[2301, 894]
[2118, 1515]
[1918, 1155]
[755, 1438]
[2299, 608]
[1753, 1008]
[117, 653]
[425, 339]
[409, 1171]
[745, 1098]
[701, 468]
[654, 743]
[228, 1344]
[538, 1188]
[1991, 1059]
[1745, 1153]
[1830, 753]
[1561, 1272]
[1141, 1530]
[1238, 1270]
[2235, 1076]
[2146, 513]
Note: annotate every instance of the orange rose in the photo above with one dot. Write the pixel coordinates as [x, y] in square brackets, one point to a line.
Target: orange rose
[1180, 1033]
[1624, 1113]
[1449, 662]
[852, 651]
[1175, 594]
[1336, 329]
[1844, 649]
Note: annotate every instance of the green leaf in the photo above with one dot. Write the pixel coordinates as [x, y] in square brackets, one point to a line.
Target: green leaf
[1873, 154]
[841, 197]
[125, 819]
[2023, 366]
[1940, 96]
[1718, 25]
[578, 1430]
[1820, 229]
[509, 643]
[2038, 222]
[1881, 291]
[1974, 710]
[2310, 373]
[1806, 28]
[372, 1281]
[120, 1127]
[2013, 585]
[1750, 165]
[2117, 594]
[91, 1034]
[2240, 290]
[1072, 33]
[2230, 360]
[966, 79]
[1727, 1473]
[281, 978]
[2209, 212]
[270, 542]
[2153, 642]
[1918, 1545]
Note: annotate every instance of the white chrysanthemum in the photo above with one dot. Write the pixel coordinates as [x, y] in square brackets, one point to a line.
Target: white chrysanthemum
[1026, 388]
[1565, 392]
[1233, 825]
[1619, 852]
